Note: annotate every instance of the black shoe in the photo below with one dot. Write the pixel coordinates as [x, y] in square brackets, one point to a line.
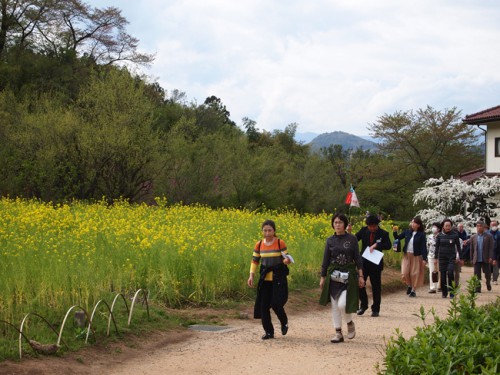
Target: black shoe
[284, 329]
[412, 294]
[408, 290]
[361, 311]
[444, 296]
[432, 291]
[375, 313]
[268, 336]
[488, 286]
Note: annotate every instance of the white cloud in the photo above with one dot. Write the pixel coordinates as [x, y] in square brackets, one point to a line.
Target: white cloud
[328, 65]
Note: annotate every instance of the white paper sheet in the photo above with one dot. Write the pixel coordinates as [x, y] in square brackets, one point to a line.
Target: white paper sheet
[374, 257]
[287, 256]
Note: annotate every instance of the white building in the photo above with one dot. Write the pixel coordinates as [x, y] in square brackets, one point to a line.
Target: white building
[488, 121]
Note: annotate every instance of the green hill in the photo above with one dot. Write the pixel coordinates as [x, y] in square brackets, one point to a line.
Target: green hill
[346, 140]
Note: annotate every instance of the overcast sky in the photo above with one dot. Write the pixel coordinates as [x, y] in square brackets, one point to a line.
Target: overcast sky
[325, 64]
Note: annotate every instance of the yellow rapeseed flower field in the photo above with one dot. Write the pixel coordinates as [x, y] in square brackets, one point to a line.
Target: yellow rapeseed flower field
[56, 256]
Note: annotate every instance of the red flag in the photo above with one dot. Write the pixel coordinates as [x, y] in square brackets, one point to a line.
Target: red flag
[348, 198]
[351, 198]
[354, 199]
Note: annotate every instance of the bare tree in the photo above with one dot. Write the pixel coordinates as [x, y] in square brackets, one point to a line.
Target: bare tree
[55, 27]
[19, 20]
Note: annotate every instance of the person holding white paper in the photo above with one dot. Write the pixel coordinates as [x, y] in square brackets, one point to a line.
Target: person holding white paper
[372, 238]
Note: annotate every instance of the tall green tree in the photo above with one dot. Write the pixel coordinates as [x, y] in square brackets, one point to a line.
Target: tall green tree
[434, 143]
[104, 145]
[212, 116]
[251, 130]
[119, 147]
[350, 166]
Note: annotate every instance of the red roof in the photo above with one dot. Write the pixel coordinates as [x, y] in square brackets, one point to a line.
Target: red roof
[488, 115]
[471, 175]
[475, 174]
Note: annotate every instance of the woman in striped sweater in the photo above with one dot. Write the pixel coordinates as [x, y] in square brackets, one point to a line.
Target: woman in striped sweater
[272, 288]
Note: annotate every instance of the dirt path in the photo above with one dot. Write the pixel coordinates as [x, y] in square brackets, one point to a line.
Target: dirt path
[306, 348]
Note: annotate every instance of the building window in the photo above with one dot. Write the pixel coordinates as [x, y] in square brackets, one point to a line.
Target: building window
[497, 147]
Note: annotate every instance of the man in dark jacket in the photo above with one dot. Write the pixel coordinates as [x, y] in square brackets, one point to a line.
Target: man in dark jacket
[372, 238]
[481, 252]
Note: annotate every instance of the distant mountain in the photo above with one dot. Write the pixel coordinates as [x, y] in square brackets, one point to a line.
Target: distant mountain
[346, 140]
[371, 139]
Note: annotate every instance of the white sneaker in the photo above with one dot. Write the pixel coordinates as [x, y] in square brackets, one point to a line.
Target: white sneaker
[495, 282]
[351, 330]
[337, 338]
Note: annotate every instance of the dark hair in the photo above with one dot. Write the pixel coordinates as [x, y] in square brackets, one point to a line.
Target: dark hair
[270, 223]
[446, 220]
[437, 225]
[418, 220]
[372, 219]
[341, 217]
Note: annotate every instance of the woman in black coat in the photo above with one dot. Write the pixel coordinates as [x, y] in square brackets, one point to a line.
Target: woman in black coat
[448, 249]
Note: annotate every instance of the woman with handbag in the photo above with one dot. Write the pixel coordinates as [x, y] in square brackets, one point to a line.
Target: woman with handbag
[272, 288]
[447, 249]
[343, 266]
[415, 256]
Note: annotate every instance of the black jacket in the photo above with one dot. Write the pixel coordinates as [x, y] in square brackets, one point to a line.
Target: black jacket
[419, 242]
[448, 246]
[381, 237]
[280, 287]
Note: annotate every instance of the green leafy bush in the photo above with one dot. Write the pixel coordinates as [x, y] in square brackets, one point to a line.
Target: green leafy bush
[464, 343]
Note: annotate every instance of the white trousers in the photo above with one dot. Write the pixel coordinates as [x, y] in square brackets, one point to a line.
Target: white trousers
[338, 310]
[432, 268]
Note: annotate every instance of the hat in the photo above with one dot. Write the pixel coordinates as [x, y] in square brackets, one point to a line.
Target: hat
[372, 219]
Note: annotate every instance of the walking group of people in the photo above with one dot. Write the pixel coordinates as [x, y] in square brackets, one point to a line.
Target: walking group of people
[345, 269]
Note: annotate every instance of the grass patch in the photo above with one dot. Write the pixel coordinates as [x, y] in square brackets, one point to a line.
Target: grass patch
[464, 343]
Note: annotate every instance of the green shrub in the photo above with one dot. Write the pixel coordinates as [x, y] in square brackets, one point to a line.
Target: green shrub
[464, 343]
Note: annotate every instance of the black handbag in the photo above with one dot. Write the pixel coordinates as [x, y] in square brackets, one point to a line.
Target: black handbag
[435, 276]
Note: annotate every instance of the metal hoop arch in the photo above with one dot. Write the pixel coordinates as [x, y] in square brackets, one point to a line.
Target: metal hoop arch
[133, 303]
[21, 334]
[113, 306]
[90, 327]
[111, 316]
[66, 317]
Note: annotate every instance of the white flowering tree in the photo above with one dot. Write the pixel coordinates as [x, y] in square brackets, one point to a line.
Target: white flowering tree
[457, 200]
